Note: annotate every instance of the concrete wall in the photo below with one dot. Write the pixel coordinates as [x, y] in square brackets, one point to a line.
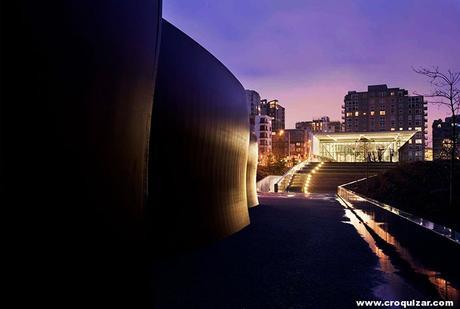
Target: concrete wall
[268, 183]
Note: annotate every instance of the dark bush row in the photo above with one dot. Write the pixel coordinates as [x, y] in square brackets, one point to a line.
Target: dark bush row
[421, 188]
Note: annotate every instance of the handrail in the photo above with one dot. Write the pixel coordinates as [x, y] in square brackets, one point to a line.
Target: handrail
[441, 230]
[291, 171]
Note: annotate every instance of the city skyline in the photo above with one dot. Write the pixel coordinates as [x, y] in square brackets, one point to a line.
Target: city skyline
[309, 54]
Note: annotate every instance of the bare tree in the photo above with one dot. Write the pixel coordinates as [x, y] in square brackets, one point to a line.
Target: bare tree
[446, 92]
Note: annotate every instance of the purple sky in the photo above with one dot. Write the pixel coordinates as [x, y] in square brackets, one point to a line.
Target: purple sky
[308, 54]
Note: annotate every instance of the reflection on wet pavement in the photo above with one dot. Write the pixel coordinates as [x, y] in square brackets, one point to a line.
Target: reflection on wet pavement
[402, 270]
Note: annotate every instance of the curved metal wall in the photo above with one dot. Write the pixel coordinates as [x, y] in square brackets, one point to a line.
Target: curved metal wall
[77, 87]
[251, 172]
[198, 146]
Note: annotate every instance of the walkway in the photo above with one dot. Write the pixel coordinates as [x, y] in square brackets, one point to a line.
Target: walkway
[296, 253]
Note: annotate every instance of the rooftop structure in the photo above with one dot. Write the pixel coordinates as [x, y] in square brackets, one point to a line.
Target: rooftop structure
[360, 147]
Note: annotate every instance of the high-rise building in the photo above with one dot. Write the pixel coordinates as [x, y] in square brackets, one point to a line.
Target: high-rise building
[442, 136]
[253, 101]
[276, 111]
[290, 143]
[322, 124]
[263, 130]
[388, 109]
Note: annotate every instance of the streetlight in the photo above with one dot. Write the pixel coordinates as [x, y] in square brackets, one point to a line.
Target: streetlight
[281, 133]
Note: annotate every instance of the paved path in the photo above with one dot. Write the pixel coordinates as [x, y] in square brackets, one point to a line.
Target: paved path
[296, 253]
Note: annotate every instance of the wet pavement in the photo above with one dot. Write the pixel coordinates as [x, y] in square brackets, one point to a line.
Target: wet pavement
[300, 251]
[296, 252]
[409, 253]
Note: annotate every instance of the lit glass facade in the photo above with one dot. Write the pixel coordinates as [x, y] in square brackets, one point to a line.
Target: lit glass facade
[360, 147]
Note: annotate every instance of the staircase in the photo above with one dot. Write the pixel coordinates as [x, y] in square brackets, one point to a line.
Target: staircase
[325, 177]
[333, 174]
[302, 177]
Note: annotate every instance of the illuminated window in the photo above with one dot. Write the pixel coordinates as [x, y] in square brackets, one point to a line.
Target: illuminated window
[349, 114]
[372, 113]
[418, 129]
[382, 113]
[410, 129]
[400, 129]
[418, 141]
[356, 113]
[364, 113]
[392, 129]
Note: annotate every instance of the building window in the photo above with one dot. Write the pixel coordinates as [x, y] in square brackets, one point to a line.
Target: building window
[356, 113]
[400, 129]
[418, 141]
[392, 129]
[372, 113]
[418, 129]
[382, 113]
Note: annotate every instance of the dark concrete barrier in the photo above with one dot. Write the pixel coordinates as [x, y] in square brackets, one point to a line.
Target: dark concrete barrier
[251, 172]
[198, 147]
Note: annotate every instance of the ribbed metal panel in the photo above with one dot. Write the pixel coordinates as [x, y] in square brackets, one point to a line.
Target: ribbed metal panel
[198, 146]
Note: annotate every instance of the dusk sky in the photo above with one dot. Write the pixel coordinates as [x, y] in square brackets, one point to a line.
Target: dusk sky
[308, 54]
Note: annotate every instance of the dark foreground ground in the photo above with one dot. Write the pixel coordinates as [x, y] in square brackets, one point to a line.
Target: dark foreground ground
[296, 253]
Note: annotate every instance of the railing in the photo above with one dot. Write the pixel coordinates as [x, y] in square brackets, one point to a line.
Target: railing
[288, 176]
[348, 196]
